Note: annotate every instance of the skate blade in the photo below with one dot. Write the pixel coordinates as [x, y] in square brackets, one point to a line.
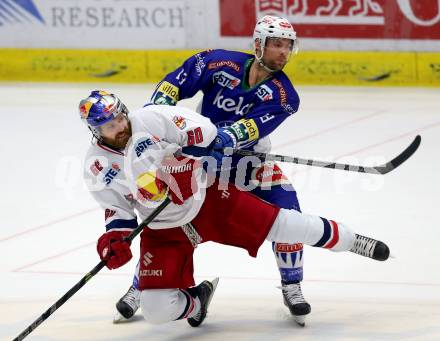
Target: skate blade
[118, 318]
[214, 283]
[300, 320]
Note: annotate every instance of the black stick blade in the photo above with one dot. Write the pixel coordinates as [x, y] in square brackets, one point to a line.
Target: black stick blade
[401, 158]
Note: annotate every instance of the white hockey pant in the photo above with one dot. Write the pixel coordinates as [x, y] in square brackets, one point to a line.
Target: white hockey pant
[164, 305]
[290, 226]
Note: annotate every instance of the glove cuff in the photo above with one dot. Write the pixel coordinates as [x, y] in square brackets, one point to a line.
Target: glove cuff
[245, 130]
[231, 133]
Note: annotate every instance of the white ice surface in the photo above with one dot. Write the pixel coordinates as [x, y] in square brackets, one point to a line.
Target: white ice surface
[49, 224]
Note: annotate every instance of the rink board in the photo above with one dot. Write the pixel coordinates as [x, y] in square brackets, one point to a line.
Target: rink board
[149, 66]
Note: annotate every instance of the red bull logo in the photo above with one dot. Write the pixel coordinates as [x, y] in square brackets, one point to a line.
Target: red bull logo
[84, 109]
[96, 167]
[180, 122]
[150, 187]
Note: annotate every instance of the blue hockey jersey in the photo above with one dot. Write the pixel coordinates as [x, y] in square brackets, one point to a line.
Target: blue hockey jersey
[222, 76]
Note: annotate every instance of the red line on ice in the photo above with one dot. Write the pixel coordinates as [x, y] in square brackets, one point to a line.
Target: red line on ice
[36, 228]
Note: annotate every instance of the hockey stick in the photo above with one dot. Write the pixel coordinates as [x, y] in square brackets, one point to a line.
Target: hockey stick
[381, 169]
[89, 275]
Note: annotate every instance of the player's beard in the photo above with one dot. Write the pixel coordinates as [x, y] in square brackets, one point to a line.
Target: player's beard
[121, 139]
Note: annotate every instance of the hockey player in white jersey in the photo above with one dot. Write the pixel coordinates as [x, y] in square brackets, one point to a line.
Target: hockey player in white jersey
[132, 166]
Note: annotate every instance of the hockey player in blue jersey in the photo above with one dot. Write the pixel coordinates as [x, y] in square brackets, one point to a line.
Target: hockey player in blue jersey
[247, 97]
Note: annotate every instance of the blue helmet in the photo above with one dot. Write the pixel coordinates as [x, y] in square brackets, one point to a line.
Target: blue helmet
[99, 108]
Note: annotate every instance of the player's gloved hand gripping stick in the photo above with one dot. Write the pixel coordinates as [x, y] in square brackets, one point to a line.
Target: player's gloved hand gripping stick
[89, 275]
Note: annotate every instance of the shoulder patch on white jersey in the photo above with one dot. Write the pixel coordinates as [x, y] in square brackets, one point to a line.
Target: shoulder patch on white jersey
[179, 121]
[96, 167]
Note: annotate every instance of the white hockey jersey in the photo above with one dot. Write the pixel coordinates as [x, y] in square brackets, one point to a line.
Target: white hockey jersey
[110, 175]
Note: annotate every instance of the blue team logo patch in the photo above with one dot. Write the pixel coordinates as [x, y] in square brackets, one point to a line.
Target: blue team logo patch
[225, 79]
[18, 11]
[264, 93]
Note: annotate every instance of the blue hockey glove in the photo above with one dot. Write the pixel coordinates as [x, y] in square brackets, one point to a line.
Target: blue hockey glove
[225, 138]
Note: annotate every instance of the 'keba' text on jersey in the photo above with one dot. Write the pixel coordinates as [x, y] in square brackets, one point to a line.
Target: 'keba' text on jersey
[228, 104]
[225, 79]
[143, 145]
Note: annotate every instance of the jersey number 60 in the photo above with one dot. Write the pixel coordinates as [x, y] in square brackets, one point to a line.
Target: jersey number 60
[195, 136]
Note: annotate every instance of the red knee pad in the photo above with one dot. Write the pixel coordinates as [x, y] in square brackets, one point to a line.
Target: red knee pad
[166, 259]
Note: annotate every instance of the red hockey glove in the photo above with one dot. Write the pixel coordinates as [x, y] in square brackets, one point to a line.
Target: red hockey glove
[112, 249]
[177, 173]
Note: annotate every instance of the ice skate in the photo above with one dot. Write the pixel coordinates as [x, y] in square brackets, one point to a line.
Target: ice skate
[204, 291]
[294, 300]
[370, 248]
[127, 305]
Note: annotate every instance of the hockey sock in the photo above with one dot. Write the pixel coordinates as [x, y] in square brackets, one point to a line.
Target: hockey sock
[290, 261]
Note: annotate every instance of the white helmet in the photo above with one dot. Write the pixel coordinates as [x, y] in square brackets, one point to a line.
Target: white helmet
[271, 26]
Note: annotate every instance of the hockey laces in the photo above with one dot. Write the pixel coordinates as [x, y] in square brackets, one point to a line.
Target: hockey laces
[293, 293]
[364, 246]
[198, 316]
[132, 297]
[203, 306]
